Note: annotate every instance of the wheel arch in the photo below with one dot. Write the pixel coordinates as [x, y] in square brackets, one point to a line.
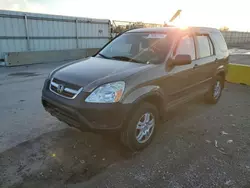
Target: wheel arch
[157, 101]
[222, 74]
[149, 94]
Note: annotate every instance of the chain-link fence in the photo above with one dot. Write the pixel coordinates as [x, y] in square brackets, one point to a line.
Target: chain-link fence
[231, 37]
[236, 37]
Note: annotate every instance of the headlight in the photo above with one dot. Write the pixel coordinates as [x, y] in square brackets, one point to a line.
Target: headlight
[107, 93]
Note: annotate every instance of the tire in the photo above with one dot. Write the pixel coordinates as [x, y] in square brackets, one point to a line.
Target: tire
[214, 93]
[131, 134]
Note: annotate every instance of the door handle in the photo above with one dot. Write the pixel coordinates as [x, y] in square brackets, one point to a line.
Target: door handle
[195, 66]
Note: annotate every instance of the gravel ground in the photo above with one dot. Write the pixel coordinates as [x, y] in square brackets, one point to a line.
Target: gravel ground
[199, 146]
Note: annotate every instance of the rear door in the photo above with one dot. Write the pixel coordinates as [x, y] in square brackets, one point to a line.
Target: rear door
[206, 62]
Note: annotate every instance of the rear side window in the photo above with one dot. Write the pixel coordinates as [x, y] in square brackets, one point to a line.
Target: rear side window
[205, 46]
[220, 41]
[185, 47]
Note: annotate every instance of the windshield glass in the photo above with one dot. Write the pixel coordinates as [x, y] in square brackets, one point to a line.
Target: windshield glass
[137, 47]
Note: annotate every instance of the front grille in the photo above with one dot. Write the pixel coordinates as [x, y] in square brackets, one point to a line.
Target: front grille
[66, 84]
[64, 89]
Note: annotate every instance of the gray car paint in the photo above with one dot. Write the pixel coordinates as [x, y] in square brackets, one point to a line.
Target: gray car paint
[93, 71]
[141, 79]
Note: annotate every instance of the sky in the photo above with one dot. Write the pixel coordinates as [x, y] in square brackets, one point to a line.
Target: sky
[210, 13]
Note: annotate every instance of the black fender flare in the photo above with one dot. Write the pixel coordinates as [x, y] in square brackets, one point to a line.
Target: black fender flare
[143, 93]
[222, 69]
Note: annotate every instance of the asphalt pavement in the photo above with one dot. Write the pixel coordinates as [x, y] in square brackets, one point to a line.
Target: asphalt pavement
[21, 113]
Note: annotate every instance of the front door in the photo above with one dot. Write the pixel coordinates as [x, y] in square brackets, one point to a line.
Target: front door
[179, 83]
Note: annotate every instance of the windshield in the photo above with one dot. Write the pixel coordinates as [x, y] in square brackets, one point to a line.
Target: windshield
[137, 47]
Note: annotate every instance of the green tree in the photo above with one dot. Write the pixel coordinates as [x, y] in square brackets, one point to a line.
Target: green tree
[224, 28]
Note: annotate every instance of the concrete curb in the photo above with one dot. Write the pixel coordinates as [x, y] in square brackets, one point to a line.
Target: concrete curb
[26, 58]
[2, 63]
[238, 73]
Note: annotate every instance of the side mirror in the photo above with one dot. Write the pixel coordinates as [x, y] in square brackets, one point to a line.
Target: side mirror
[182, 60]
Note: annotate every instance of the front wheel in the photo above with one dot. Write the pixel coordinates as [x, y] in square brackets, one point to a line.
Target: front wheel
[214, 93]
[139, 131]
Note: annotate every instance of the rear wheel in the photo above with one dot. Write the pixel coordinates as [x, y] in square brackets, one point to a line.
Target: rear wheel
[139, 131]
[214, 93]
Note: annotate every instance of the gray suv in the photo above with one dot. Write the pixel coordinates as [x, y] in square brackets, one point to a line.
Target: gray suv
[134, 79]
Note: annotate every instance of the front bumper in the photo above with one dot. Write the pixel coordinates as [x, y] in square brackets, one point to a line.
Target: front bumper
[85, 116]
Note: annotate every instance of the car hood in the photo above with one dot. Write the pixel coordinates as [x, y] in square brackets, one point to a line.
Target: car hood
[94, 71]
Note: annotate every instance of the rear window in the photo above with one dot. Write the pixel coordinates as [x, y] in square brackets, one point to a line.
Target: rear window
[220, 41]
[204, 46]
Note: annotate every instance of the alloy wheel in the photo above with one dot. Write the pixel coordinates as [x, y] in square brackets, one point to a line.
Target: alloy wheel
[145, 127]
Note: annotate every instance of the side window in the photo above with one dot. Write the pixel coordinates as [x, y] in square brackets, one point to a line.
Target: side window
[205, 46]
[185, 46]
[220, 41]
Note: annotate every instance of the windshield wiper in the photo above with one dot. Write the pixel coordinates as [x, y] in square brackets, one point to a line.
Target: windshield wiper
[104, 56]
[124, 58]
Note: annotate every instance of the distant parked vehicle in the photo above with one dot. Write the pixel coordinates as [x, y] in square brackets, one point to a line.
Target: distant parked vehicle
[133, 80]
